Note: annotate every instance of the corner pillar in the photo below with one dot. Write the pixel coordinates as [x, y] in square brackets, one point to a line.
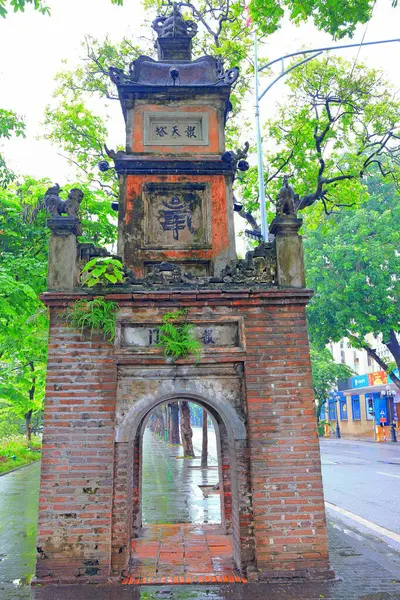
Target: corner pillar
[62, 270]
[289, 251]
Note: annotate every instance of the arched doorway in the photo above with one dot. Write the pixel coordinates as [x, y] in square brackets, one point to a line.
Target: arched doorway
[175, 487]
[236, 511]
[180, 532]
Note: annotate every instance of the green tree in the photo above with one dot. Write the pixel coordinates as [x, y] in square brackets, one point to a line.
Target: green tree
[23, 317]
[10, 124]
[339, 123]
[336, 18]
[39, 5]
[325, 374]
[90, 77]
[23, 271]
[80, 137]
[353, 264]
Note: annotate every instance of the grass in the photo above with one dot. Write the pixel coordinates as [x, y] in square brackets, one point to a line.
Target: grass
[15, 452]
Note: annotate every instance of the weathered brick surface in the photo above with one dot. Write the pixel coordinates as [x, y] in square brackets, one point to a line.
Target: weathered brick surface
[289, 519]
[90, 490]
[77, 464]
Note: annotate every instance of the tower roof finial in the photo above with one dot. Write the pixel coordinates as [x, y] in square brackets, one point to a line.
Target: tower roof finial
[174, 35]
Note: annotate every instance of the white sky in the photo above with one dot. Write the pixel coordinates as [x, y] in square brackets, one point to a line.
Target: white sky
[33, 46]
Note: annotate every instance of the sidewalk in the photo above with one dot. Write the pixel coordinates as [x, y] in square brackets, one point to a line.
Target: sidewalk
[365, 569]
[359, 577]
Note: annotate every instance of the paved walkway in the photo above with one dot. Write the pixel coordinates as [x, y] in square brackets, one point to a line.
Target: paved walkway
[182, 554]
[182, 540]
[170, 486]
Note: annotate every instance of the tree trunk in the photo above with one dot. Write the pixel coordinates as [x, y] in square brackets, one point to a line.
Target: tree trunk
[159, 422]
[174, 423]
[204, 445]
[394, 347]
[28, 426]
[28, 415]
[186, 430]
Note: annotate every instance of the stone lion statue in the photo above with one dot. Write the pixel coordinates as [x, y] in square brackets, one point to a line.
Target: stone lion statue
[285, 200]
[56, 206]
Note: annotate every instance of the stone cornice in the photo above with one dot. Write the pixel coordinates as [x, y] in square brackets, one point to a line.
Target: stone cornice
[216, 296]
[130, 165]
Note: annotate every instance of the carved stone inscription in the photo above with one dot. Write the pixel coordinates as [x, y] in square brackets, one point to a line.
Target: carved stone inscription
[176, 215]
[212, 335]
[175, 129]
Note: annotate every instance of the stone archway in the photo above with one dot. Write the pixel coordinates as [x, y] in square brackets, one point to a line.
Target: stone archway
[223, 400]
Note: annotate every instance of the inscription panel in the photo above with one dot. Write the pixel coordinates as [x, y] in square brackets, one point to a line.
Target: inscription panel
[176, 215]
[197, 268]
[139, 337]
[175, 129]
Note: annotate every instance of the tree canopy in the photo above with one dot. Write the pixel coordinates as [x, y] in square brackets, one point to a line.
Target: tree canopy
[353, 263]
[10, 124]
[23, 317]
[337, 136]
[336, 18]
[340, 122]
[40, 5]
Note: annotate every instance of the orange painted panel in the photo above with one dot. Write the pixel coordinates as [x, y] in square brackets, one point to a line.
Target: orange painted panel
[218, 215]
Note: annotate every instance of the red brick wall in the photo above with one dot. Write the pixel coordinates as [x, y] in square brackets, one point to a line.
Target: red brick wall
[288, 504]
[278, 500]
[77, 462]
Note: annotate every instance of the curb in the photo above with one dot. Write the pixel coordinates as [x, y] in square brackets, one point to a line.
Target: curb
[20, 467]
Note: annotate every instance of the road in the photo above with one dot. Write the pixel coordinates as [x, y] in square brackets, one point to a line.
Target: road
[364, 479]
[361, 478]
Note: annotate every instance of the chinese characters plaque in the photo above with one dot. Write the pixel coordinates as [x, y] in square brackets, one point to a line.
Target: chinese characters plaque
[176, 215]
[176, 129]
[212, 336]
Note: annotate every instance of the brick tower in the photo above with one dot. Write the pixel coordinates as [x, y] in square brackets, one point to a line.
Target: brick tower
[176, 239]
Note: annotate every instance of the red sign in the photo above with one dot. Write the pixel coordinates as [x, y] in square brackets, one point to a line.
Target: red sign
[378, 378]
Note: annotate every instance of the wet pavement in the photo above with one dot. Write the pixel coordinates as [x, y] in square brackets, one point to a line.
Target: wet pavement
[181, 554]
[364, 478]
[19, 493]
[196, 549]
[170, 485]
[365, 569]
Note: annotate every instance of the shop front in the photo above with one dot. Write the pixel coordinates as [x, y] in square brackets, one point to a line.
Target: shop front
[364, 403]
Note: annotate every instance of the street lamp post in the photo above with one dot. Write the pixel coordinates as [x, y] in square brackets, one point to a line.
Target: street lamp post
[389, 395]
[338, 434]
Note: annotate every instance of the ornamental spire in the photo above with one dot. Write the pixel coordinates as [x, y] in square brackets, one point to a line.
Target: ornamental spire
[174, 35]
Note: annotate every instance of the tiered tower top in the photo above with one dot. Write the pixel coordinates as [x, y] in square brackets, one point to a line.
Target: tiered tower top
[176, 201]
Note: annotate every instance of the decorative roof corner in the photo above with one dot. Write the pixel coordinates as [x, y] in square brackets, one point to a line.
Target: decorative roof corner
[174, 67]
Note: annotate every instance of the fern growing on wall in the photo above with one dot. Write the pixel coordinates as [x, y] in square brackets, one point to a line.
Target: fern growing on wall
[177, 336]
[97, 314]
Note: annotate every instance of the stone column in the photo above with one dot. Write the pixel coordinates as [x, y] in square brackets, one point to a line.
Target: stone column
[62, 268]
[289, 251]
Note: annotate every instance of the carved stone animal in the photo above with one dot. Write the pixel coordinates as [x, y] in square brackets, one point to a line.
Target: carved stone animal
[285, 200]
[174, 25]
[57, 207]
